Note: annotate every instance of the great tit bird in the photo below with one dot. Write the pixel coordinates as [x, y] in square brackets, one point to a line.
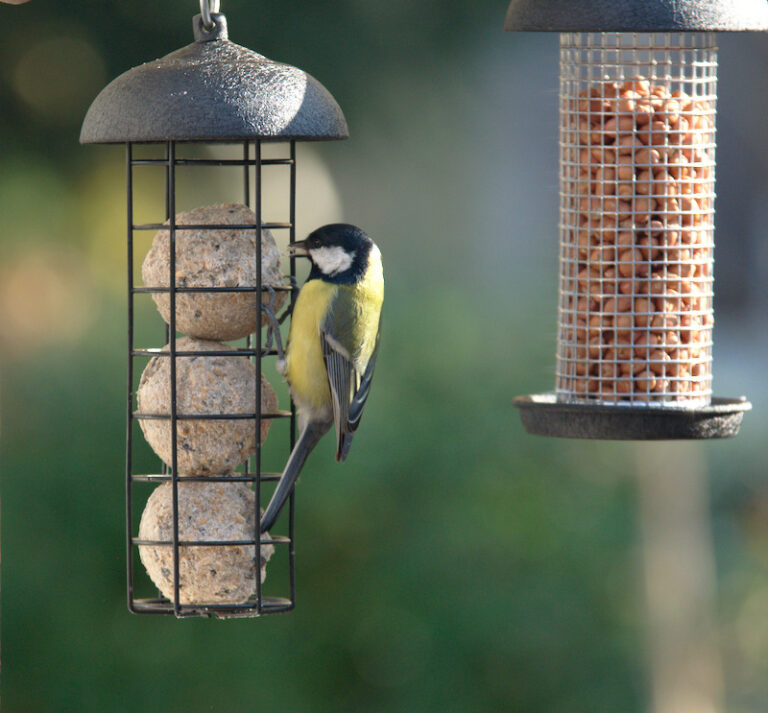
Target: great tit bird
[332, 344]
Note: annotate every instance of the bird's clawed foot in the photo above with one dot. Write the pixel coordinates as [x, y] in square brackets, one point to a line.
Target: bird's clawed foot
[273, 327]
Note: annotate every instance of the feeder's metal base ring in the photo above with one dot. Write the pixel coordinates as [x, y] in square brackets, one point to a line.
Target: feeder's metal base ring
[543, 415]
[269, 605]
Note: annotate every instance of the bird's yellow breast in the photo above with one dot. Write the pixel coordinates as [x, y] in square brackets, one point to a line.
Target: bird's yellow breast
[304, 364]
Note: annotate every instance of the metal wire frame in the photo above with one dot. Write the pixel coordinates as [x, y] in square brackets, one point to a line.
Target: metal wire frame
[637, 171]
[251, 162]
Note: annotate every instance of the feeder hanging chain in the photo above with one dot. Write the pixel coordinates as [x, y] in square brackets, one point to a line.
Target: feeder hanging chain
[206, 8]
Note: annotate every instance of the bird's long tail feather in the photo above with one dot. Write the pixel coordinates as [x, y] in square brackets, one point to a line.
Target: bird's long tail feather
[308, 439]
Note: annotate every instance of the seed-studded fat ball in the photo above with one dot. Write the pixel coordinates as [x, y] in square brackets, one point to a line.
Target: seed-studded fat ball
[215, 258]
[204, 385]
[208, 574]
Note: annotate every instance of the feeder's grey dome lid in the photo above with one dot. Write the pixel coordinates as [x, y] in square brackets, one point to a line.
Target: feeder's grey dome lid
[637, 15]
[213, 90]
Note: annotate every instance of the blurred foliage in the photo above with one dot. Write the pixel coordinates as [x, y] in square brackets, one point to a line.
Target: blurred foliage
[453, 564]
[439, 566]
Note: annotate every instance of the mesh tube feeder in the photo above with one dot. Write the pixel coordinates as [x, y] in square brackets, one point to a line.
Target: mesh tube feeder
[199, 533]
[637, 106]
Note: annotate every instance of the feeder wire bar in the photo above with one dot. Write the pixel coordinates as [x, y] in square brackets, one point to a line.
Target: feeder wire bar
[211, 162]
[129, 400]
[249, 341]
[171, 188]
[164, 290]
[245, 477]
[294, 294]
[214, 226]
[153, 352]
[258, 185]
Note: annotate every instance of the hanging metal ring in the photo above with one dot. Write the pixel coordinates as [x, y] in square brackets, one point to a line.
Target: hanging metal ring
[206, 8]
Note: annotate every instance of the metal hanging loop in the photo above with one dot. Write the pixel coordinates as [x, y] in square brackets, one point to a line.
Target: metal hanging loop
[206, 8]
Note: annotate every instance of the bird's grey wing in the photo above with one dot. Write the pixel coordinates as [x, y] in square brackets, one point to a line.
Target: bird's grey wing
[349, 388]
[364, 387]
[355, 411]
[343, 380]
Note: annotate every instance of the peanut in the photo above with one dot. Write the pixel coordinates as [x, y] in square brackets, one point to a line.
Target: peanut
[638, 186]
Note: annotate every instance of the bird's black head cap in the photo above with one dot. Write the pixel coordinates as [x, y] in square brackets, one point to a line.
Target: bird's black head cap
[349, 238]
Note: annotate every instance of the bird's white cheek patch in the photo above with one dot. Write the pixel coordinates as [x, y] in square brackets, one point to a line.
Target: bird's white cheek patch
[333, 260]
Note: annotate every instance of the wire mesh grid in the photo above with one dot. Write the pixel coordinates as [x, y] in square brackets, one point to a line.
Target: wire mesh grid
[246, 550]
[637, 172]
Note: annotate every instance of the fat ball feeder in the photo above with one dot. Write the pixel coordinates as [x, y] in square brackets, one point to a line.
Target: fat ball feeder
[204, 405]
[637, 187]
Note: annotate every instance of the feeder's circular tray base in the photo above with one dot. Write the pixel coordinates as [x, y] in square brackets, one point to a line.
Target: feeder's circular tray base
[543, 415]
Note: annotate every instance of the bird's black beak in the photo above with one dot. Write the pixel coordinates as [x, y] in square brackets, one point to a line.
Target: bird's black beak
[298, 249]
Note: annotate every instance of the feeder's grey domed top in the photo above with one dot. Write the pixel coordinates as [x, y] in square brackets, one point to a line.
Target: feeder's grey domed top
[637, 15]
[213, 90]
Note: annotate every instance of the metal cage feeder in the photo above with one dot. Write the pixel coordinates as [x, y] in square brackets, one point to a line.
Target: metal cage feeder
[210, 93]
[637, 187]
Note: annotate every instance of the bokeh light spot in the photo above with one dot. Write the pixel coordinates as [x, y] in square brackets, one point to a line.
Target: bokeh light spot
[57, 77]
[44, 300]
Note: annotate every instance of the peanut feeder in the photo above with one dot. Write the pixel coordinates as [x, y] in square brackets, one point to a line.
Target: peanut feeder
[637, 106]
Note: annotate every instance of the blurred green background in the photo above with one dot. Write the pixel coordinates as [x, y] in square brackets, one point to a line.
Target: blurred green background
[453, 563]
